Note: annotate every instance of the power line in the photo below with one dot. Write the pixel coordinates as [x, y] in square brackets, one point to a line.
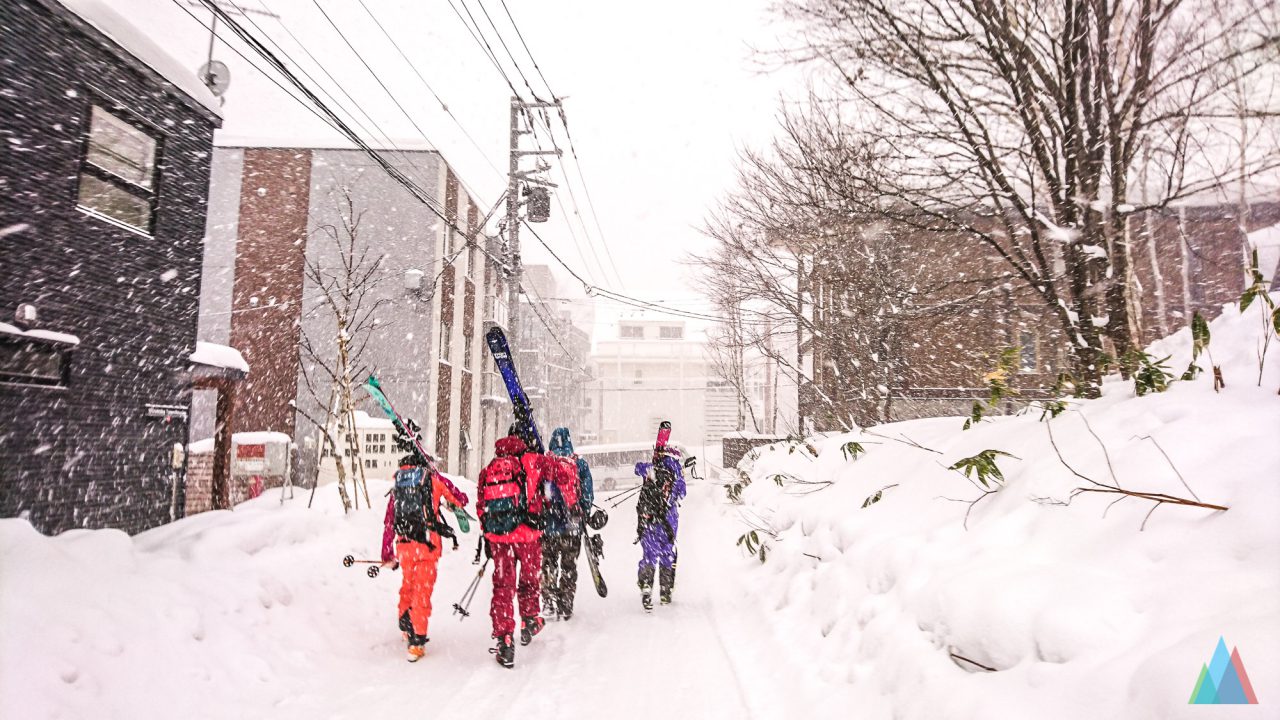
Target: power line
[253, 64]
[345, 130]
[385, 136]
[568, 355]
[573, 199]
[478, 36]
[573, 150]
[619, 297]
[443, 105]
[502, 41]
[381, 84]
[527, 51]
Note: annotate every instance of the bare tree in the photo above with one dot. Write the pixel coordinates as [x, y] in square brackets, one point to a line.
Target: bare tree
[803, 257]
[1020, 125]
[331, 358]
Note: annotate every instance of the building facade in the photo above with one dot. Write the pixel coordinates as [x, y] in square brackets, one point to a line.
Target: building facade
[290, 228]
[864, 368]
[551, 355]
[104, 167]
[649, 372]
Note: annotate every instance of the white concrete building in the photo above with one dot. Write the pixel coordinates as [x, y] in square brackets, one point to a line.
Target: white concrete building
[653, 370]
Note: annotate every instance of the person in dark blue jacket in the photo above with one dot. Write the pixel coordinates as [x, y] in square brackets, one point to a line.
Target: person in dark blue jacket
[562, 536]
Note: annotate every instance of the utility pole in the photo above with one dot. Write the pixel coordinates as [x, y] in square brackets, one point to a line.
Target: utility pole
[514, 178]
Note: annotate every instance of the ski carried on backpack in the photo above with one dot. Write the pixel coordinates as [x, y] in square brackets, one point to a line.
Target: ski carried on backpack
[496, 339]
[375, 390]
[664, 436]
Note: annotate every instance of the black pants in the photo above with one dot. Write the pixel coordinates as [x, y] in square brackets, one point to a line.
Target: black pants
[560, 571]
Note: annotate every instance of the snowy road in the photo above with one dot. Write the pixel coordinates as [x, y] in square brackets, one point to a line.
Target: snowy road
[691, 659]
[250, 614]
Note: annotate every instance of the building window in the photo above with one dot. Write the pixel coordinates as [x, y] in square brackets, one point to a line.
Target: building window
[639, 377]
[446, 341]
[371, 464]
[473, 258]
[674, 332]
[466, 348]
[631, 331]
[32, 363]
[1027, 360]
[118, 176]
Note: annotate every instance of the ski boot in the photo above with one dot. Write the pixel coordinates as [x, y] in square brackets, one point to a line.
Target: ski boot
[416, 652]
[505, 652]
[529, 627]
[666, 583]
[646, 588]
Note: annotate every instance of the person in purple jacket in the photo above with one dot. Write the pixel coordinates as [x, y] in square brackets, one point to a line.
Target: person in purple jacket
[657, 519]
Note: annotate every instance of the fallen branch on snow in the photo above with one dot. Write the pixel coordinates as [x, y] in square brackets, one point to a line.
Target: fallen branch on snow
[1102, 488]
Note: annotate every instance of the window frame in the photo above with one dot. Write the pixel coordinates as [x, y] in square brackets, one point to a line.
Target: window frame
[446, 342]
[623, 332]
[137, 122]
[1033, 347]
[63, 380]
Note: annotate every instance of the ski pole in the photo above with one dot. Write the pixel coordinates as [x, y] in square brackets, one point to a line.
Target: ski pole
[628, 493]
[460, 607]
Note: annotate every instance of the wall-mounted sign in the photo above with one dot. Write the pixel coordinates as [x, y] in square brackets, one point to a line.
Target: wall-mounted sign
[168, 413]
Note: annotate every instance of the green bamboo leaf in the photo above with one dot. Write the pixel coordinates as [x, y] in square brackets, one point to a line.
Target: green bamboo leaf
[1199, 334]
[1247, 298]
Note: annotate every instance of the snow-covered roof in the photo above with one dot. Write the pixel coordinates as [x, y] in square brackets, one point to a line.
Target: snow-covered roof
[329, 142]
[221, 356]
[365, 421]
[128, 36]
[261, 437]
[44, 335]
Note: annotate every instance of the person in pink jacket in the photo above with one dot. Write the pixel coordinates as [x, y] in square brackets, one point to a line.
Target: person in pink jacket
[509, 505]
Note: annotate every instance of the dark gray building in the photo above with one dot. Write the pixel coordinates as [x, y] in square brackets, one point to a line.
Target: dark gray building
[105, 146]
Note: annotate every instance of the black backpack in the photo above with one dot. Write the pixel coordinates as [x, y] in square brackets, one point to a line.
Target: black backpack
[415, 512]
[651, 507]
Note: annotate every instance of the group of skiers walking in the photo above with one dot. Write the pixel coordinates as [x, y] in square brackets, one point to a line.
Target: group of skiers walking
[532, 509]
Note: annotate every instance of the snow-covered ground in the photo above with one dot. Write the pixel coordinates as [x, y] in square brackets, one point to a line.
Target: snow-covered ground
[856, 612]
[1080, 612]
[250, 613]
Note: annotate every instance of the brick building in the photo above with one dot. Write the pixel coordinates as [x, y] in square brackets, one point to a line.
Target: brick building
[1184, 259]
[272, 210]
[105, 146]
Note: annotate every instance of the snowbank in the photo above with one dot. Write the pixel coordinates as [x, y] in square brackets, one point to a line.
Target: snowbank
[223, 614]
[1076, 609]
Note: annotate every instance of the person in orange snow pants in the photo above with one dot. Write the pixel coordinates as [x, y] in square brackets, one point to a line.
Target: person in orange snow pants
[411, 536]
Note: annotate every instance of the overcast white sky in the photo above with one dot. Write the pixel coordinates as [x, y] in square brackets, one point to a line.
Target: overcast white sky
[660, 97]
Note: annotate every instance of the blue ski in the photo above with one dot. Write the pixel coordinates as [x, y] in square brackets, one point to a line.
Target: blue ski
[496, 339]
